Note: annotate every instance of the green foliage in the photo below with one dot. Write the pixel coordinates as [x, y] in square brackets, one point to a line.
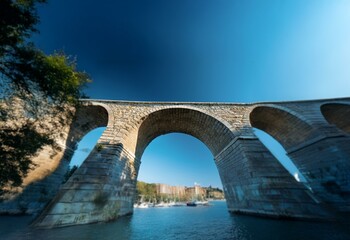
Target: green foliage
[54, 76]
[64, 81]
[17, 22]
[147, 190]
[211, 189]
[214, 193]
[99, 147]
[27, 71]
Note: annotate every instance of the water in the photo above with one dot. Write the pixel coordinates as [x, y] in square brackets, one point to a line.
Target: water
[213, 222]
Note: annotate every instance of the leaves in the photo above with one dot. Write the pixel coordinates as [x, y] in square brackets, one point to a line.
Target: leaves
[30, 70]
[17, 22]
[26, 69]
[148, 190]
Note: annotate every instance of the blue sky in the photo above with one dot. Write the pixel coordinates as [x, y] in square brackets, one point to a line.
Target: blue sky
[198, 50]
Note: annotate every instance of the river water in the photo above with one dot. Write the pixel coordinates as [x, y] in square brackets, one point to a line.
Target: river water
[211, 222]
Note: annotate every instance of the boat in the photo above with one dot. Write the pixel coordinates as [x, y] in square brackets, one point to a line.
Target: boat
[191, 204]
[141, 205]
[203, 203]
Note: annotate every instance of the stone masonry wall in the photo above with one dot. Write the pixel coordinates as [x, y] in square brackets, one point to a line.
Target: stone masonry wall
[254, 181]
[103, 188]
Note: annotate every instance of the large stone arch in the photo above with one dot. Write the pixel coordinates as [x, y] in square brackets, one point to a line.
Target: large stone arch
[211, 131]
[337, 114]
[179, 118]
[214, 134]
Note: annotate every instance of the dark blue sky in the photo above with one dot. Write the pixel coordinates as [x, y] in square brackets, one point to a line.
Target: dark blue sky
[204, 50]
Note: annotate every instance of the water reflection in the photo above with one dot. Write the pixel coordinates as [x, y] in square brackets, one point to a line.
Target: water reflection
[262, 228]
[212, 222]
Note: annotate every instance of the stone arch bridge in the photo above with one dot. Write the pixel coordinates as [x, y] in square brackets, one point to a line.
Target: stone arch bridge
[314, 133]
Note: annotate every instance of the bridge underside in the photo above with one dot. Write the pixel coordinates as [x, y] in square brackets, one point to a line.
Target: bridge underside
[314, 133]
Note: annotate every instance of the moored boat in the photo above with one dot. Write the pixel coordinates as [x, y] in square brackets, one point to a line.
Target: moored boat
[141, 205]
[191, 204]
[203, 203]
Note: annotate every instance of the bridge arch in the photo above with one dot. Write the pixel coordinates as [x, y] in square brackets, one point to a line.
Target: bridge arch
[284, 125]
[212, 132]
[215, 134]
[87, 118]
[337, 114]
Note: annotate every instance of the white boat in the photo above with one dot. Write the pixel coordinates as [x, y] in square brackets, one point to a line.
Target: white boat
[141, 205]
[202, 203]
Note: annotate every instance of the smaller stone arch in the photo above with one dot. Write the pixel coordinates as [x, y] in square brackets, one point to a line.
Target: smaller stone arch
[87, 118]
[285, 126]
[337, 114]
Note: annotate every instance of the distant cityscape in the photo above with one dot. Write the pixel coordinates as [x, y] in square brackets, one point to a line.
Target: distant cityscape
[158, 192]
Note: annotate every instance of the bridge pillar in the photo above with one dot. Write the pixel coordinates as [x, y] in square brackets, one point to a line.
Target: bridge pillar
[256, 183]
[325, 163]
[102, 189]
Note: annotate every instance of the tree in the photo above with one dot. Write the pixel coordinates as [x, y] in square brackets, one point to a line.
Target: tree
[33, 87]
[24, 68]
[147, 191]
[17, 22]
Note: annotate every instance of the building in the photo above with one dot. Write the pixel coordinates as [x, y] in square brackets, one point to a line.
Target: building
[196, 192]
[171, 191]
